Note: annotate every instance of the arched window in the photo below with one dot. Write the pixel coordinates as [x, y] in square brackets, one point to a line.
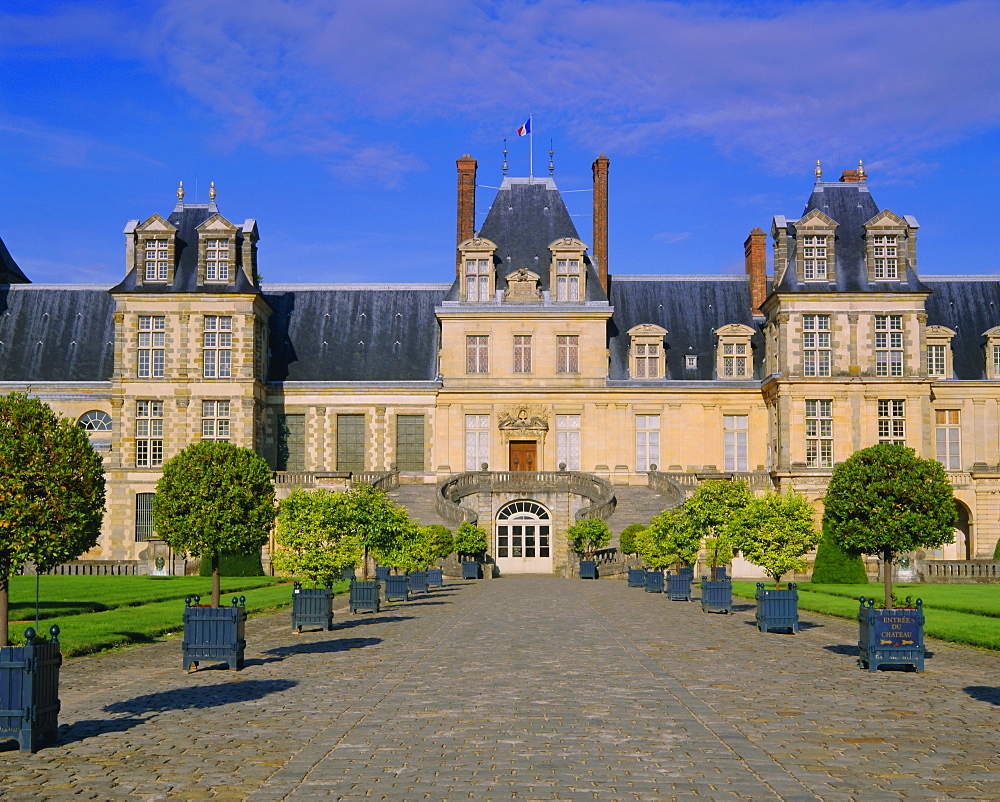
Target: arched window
[95, 421]
[523, 510]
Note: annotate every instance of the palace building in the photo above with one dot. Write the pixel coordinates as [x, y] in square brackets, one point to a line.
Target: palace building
[534, 385]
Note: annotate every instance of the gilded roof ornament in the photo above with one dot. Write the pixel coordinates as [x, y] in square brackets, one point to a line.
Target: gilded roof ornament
[862, 175]
[211, 192]
[818, 170]
[180, 192]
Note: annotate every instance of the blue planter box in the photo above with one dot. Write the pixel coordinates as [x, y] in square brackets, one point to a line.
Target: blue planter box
[214, 633]
[312, 607]
[636, 578]
[777, 609]
[588, 569]
[719, 573]
[435, 578]
[470, 569]
[381, 573]
[716, 596]
[29, 690]
[397, 588]
[347, 574]
[365, 596]
[679, 587]
[654, 582]
[890, 637]
[418, 581]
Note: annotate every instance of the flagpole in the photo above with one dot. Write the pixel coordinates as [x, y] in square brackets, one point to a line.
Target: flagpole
[531, 149]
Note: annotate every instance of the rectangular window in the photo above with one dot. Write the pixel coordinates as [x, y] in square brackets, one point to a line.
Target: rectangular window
[568, 441]
[567, 353]
[410, 442]
[477, 441]
[144, 517]
[215, 420]
[291, 443]
[814, 258]
[690, 361]
[260, 350]
[157, 260]
[152, 338]
[734, 361]
[947, 435]
[477, 281]
[935, 360]
[892, 422]
[350, 442]
[884, 252]
[819, 433]
[217, 347]
[888, 345]
[816, 358]
[217, 260]
[148, 434]
[647, 442]
[647, 361]
[477, 353]
[522, 353]
[567, 279]
[734, 435]
[996, 361]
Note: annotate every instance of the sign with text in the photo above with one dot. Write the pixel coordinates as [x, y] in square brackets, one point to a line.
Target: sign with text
[896, 629]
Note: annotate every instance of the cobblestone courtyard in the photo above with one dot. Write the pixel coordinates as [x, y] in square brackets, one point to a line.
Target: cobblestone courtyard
[524, 688]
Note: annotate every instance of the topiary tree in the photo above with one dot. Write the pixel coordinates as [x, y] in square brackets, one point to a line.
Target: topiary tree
[886, 500]
[214, 498]
[996, 551]
[834, 566]
[588, 535]
[775, 532]
[235, 565]
[626, 540]
[51, 491]
[412, 551]
[315, 536]
[377, 521]
[670, 539]
[470, 540]
[441, 540]
[711, 509]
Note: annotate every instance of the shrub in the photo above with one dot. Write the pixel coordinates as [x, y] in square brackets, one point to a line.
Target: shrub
[626, 540]
[235, 565]
[588, 535]
[470, 539]
[834, 566]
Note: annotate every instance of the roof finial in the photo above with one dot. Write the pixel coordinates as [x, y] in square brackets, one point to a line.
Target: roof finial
[505, 157]
[552, 164]
[211, 192]
[862, 175]
[180, 192]
[818, 170]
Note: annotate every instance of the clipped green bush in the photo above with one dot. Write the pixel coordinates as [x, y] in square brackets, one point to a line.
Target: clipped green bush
[234, 565]
[626, 540]
[996, 551]
[834, 566]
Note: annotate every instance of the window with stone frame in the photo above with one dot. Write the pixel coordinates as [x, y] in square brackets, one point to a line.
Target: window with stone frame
[992, 352]
[817, 355]
[477, 279]
[734, 356]
[814, 246]
[259, 350]
[819, 433]
[95, 421]
[477, 353]
[522, 353]
[568, 270]
[647, 442]
[568, 441]
[477, 441]
[215, 419]
[813, 250]
[151, 343]
[889, 345]
[567, 353]
[290, 442]
[218, 258]
[410, 442]
[156, 256]
[889, 246]
[936, 360]
[148, 434]
[217, 354]
[948, 438]
[646, 352]
[350, 442]
[885, 257]
[892, 421]
[144, 517]
[735, 442]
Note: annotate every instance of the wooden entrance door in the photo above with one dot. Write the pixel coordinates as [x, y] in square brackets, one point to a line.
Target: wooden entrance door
[522, 455]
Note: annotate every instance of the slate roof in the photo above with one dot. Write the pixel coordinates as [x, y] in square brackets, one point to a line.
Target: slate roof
[354, 333]
[10, 273]
[850, 205]
[186, 218]
[969, 306]
[59, 333]
[690, 308]
[528, 215]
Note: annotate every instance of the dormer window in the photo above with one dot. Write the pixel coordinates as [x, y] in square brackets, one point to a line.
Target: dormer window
[814, 247]
[151, 250]
[568, 274]
[890, 243]
[156, 258]
[690, 362]
[885, 257]
[477, 276]
[734, 359]
[217, 246]
[992, 352]
[646, 357]
[939, 361]
[217, 257]
[814, 258]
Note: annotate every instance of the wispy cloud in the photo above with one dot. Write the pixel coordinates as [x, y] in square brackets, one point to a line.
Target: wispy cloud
[886, 81]
[670, 237]
[66, 148]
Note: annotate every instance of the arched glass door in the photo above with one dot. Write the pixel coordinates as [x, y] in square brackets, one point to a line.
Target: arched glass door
[523, 539]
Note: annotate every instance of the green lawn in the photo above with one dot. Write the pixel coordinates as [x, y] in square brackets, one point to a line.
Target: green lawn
[968, 614]
[133, 609]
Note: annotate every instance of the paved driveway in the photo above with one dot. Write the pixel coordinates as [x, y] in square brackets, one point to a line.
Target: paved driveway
[524, 688]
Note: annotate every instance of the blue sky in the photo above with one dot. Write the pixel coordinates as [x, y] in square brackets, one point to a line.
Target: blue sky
[337, 124]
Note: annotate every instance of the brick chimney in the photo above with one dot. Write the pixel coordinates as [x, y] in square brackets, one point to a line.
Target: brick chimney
[755, 249]
[466, 201]
[600, 244]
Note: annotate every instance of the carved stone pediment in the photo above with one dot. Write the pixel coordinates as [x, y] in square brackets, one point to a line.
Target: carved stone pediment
[524, 421]
[522, 287]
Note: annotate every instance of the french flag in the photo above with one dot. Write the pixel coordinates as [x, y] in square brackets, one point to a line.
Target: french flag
[525, 129]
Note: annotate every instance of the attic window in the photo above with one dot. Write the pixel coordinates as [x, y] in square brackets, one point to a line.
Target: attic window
[217, 260]
[691, 362]
[885, 257]
[567, 276]
[814, 255]
[478, 278]
[646, 351]
[733, 352]
[157, 259]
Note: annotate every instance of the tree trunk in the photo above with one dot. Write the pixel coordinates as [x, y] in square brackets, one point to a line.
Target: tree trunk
[4, 584]
[777, 582]
[887, 578]
[216, 582]
[364, 565]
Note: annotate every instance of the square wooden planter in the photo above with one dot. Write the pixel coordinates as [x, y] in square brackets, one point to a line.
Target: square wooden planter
[418, 581]
[214, 633]
[29, 690]
[365, 596]
[470, 569]
[654, 582]
[435, 577]
[716, 597]
[679, 586]
[777, 609]
[312, 607]
[890, 637]
[636, 577]
[588, 569]
[397, 588]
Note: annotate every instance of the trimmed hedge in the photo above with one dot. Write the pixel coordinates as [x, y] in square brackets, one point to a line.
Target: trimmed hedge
[234, 565]
[834, 566]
